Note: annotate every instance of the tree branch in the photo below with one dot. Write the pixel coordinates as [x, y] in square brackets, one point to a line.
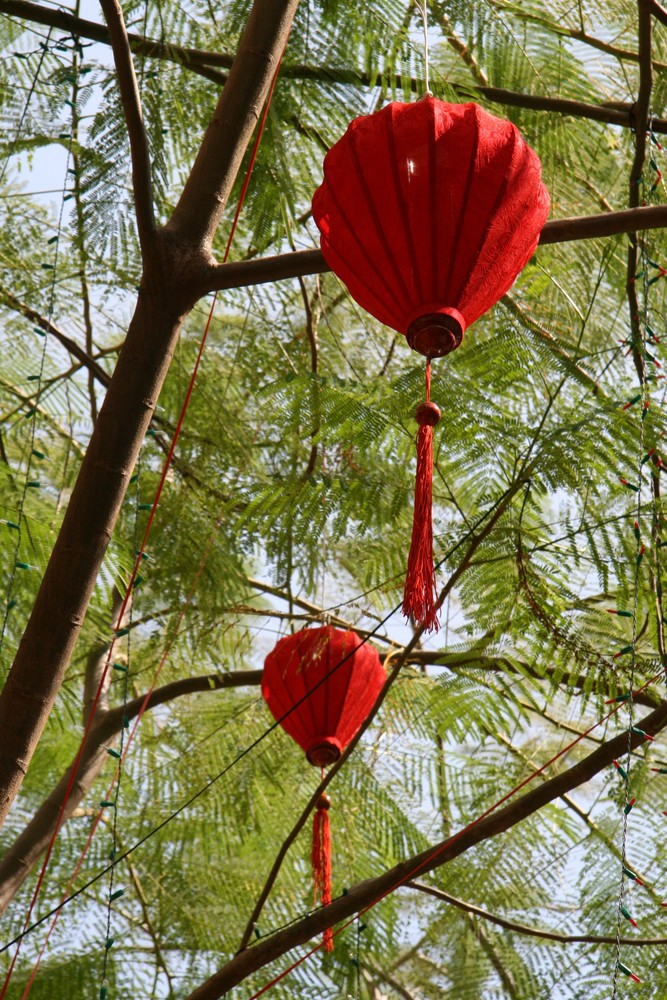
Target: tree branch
[169, 288]
[129, 92]
[552, 343]
[311, 332]
[463, 50]
[196, 60]
[82, 236]
[658, 12]
[10, 300]
[201, 204]
[316, 610]
[511, 925]
[493, 957]
[502, 664]
[113, 720]
[576, 34]
[293, 265]
[385, 977]
[403, 656]
[19, 860]
[96, 661]
[200, 61]
[365, 894]
[642, 109]
[148, 924]
[608, 842]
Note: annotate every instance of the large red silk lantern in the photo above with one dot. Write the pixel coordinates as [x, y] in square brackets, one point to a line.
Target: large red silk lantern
[427, 212]
[320, 685]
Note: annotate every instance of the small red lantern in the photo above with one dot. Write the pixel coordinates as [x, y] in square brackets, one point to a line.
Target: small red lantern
[320, 684]
[428, 212]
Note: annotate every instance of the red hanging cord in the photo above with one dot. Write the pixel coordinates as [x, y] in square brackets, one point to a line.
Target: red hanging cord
[138, 560]
[420, 595]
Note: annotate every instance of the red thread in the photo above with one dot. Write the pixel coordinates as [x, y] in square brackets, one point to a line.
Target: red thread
[77, 760]
[151, 517]
[142, 709]
[441, 848]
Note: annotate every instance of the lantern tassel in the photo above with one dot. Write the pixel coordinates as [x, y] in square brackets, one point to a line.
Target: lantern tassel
[321, 859]
[420, 595]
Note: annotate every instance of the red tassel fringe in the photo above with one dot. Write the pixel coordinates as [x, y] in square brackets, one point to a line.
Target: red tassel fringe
[321, 859]
[420, 596]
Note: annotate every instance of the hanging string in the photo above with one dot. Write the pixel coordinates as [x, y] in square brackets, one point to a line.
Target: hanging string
[142, 547]
[640, 332]
[44, 48]
[112, 798]
[16, 526]
[360, 927]
[248, 749]
[421, 7]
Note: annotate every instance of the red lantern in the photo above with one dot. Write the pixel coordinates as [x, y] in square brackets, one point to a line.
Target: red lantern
[320, 684]
[428, 212]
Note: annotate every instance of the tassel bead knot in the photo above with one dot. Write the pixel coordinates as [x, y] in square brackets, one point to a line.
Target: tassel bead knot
[427, 414]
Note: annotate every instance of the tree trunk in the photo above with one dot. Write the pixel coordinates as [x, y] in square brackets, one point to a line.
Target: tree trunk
[178, 259]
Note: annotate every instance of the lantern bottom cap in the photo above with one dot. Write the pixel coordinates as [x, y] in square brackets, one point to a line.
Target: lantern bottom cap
[435, 334]
[324, 753]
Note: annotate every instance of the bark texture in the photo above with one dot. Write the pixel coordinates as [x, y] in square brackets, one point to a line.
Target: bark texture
[365, 894]
[21, 857]
[170, 286]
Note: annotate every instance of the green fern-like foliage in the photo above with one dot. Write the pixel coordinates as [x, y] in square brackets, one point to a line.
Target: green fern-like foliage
[289, 502]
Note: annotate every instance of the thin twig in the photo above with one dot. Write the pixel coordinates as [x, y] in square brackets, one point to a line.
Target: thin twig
[129, 91]
[390, 980]
[81, 241]
[10, 300]
[316, 610]
[552, 342]
[147, 923]
[311, 332]
[511, 925]
[403, 656]
[463, 50]
[493, 956]
[96, 660]
[658, 12]
[641, 123]
[576, 34]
